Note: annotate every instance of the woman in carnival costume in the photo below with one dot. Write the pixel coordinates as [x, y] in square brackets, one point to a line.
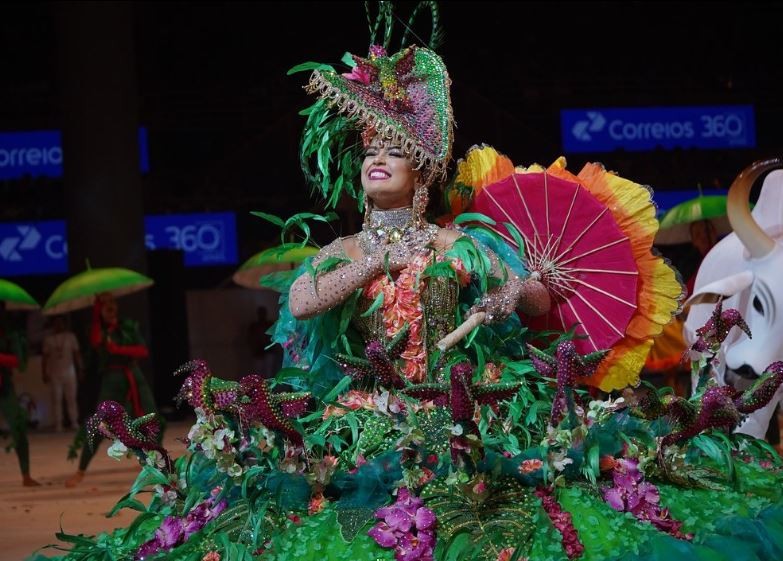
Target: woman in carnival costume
[397, 443]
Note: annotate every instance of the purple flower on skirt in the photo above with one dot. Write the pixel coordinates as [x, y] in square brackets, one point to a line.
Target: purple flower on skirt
[147, 549]
[170, 532]
[407, 526]
[383, 535]
[415, 548]
[631, 493]
[174, 530]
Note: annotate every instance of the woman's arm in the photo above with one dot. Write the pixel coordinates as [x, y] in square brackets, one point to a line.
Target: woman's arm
[310, 297]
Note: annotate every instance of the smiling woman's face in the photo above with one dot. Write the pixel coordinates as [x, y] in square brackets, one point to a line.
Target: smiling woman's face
[387, 175]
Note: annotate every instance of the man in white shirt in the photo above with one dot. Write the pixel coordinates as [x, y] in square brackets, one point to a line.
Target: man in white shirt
[61, 362]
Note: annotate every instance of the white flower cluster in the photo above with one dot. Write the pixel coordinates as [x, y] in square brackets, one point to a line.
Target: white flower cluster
[118, 450]
[212, 436]
[167, 494]
[601, 411]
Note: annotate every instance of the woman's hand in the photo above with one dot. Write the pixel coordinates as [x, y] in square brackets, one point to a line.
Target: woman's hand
[402, 253]
[500, 302]
[530, 296]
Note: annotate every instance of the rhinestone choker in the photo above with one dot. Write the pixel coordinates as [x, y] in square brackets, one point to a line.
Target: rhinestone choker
[389, 226]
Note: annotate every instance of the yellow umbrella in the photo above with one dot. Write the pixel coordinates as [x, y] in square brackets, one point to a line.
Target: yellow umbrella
[79, 291]
[283, 258]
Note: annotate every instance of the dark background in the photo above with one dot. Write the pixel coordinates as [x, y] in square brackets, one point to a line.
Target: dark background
[222, 115]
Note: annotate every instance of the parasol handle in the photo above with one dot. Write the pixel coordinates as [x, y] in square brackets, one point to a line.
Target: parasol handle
[458, 334]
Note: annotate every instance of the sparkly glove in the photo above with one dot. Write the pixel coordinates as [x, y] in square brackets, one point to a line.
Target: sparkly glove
[310, 297]
[530, 296]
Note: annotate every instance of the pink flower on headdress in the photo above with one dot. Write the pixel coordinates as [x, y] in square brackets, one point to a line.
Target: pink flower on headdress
[377, 51]
[359, 73]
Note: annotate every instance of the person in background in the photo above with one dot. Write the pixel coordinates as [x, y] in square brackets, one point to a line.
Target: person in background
[62, 362]
[12, 356]
[118, 346]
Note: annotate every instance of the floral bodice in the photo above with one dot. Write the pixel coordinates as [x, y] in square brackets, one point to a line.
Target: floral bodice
[424, 303]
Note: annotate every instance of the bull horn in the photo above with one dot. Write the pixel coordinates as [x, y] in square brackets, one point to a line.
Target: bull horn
[757, 242]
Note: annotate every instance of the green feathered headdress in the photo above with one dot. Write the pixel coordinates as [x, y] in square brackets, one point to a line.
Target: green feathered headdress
[403, 97]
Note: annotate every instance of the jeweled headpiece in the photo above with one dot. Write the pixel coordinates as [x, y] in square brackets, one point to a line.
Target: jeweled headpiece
[403, 97]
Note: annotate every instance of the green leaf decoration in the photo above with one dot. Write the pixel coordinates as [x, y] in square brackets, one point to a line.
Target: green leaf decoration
[348, 60]
[442, 269]
[140, 519]
[474, 217]
[517, 238]
[436, 425]
[276, 220]
[147, 477]
[375, 437]
[127, 502]
[352, 519]
[309, 66]
[377, 303]
[341, 386]
[500, 517]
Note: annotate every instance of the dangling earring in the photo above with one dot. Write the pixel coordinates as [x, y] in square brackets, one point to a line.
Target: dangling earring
[421, 197]
[367, 211]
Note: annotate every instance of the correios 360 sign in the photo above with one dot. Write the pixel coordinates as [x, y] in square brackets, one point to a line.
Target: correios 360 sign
[39, 153]
[637, 129]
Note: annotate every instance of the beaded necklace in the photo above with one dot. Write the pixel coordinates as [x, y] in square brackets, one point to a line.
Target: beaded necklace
[391, 226]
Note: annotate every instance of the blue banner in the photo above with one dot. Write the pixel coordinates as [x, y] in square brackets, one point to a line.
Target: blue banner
[639, 129]
[206, 239]
[40, 248]
[39, 153]
[33, 248]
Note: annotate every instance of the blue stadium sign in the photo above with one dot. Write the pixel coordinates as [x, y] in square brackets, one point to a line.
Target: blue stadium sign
[206, 239]
[40, 153]
[639, 129]
[33, 248]
[41, 247]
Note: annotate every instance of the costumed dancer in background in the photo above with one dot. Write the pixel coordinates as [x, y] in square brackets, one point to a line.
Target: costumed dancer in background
[61, 366]
[13, 355]
[117, 347]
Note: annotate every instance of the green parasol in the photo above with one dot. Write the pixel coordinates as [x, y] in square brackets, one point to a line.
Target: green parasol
[16, 297]
[281, 259]
[79, 291]
[675, 224]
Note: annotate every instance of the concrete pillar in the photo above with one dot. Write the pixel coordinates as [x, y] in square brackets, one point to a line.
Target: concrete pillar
[100, 120]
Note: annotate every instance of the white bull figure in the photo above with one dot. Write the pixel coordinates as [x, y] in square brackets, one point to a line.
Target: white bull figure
[746, 270]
